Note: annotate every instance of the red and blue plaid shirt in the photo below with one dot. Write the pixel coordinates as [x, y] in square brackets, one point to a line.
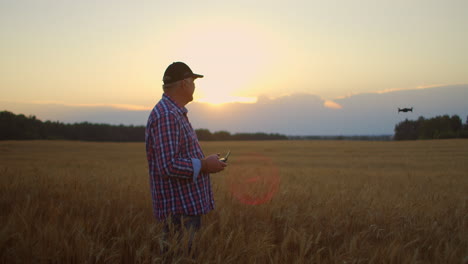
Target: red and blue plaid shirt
[174, 154]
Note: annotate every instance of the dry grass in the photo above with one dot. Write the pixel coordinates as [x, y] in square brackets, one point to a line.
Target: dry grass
[338, 202]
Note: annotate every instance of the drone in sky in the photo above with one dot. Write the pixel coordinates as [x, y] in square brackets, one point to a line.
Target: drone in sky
[405, 110]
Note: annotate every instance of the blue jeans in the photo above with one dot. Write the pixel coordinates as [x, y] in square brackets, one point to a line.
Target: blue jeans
[180, 224]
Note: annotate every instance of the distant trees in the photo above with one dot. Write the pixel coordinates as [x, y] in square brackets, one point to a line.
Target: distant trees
[206, 135]
[439, 127]
[14, 127]
[345, 137]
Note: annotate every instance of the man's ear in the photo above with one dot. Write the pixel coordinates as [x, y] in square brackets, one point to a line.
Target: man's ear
[185, 84]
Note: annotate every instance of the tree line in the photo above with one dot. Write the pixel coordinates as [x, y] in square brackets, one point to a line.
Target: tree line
[21, 127]
[439, 127]
[345, 137]
[206, 135]
[13, 127]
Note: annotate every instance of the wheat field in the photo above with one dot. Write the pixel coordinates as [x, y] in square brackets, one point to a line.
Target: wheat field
[334, 202]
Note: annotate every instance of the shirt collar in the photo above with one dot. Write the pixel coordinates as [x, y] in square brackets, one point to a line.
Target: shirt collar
[181, 110]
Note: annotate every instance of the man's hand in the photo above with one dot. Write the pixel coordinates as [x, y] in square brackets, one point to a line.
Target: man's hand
[212, 164]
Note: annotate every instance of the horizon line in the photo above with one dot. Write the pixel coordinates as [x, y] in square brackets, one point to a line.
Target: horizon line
[329, 103]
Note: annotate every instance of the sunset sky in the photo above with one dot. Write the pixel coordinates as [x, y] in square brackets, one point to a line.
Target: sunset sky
[114, 52]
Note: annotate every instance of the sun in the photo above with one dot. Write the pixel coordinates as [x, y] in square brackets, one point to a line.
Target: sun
[233, 57]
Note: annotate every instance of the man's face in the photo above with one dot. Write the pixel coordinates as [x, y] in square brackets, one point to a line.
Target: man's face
[189, 88]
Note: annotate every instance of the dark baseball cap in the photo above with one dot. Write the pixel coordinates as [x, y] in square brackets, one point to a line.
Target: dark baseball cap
[178, 71]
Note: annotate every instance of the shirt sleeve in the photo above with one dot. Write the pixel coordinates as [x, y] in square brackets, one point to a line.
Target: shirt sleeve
[196, 168]
[166, 132]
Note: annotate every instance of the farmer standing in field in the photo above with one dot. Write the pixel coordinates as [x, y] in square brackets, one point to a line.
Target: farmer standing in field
[179, 171]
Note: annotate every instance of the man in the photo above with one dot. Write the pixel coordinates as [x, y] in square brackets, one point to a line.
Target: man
[178, 169]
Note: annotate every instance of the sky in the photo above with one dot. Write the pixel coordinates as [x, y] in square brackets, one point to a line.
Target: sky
[113, 53]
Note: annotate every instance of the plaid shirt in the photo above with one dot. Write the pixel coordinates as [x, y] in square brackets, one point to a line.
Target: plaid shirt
[174, 154]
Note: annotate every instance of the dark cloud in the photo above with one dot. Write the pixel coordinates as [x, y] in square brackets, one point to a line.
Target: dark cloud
[305, 114]
[298, 114]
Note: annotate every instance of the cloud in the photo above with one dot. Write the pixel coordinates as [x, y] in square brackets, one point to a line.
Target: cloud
[332, 105]
[417, 88]
[128, 107]
[308, 114]
[75, 113]
[297, 114]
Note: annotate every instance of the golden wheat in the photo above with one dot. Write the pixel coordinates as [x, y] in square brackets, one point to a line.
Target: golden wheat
[336, 202]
